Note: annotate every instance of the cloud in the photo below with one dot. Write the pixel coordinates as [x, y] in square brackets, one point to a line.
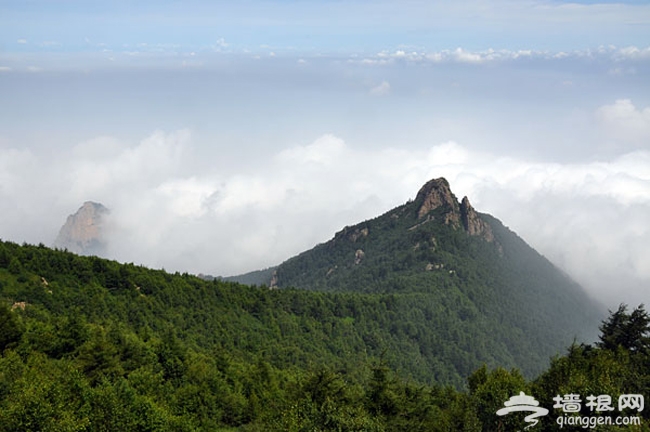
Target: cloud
[22, 195]
[103, 169]
[21, 41]
[590, 217]
[625, 124]
[381, 89]
[630, 54]
[626, 60]
[103, 165]
[5, 69]
[467, 57]
[221, 42]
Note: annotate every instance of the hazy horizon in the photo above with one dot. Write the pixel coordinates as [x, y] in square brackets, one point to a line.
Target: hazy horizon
[227, 138]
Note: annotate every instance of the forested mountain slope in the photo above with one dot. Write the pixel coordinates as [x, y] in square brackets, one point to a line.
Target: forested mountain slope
[466, 283]
[414, 333]
[88, 344]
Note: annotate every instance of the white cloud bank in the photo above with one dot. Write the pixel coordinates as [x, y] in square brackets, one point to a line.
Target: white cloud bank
[462, 55]
[623, 122]
[590, 218]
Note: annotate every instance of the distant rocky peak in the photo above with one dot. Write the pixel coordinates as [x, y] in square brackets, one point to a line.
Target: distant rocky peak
[83, 232]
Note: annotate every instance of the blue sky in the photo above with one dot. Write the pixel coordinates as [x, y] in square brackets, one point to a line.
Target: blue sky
[228, 136]
[312, 27]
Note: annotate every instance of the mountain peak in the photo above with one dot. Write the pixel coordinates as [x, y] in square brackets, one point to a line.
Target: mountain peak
[434, 194]
[82, 232]
[464, 270]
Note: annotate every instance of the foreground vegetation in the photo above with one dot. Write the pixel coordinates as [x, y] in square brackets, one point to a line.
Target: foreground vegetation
[92, 345]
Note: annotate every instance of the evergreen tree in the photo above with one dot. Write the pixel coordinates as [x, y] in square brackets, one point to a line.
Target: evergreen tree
[630, 331]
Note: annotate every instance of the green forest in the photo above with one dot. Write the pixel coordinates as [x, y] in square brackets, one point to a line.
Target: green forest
[90, 344]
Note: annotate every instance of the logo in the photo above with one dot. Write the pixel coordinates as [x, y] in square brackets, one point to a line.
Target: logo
[573, 412]
[523, 402]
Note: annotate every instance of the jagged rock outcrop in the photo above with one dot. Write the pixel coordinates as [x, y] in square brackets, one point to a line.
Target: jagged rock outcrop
[436, 194]
[352, 235]
[473, 223]
[19, 305]
[359, 255]
[83, 232]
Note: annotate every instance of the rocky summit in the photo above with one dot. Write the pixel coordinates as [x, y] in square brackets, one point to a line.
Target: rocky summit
[437, 194]
[434, 194]
[83, 232]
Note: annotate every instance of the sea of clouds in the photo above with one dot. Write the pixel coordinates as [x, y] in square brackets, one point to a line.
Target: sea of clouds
[590, 218]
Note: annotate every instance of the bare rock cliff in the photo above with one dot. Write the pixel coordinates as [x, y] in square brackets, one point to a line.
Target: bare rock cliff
[473, 223]
[437, 194]
[83, 232]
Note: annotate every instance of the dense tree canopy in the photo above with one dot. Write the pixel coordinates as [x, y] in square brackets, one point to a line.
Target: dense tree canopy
[92, 345]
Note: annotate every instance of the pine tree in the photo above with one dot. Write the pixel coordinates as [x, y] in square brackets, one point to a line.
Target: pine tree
[629, 331]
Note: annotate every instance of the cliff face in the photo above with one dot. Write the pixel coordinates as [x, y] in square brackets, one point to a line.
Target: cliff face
[83, 232]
